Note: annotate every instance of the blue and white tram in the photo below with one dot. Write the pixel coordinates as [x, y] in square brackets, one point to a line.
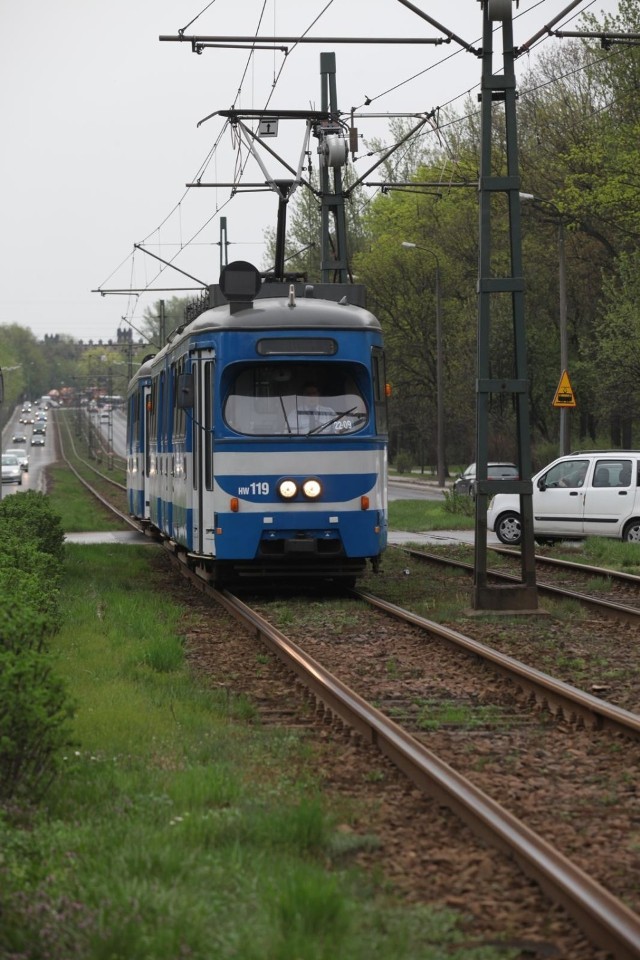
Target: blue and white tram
[257, 437]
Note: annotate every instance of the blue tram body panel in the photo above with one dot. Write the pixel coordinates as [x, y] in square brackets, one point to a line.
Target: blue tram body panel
[257, 438]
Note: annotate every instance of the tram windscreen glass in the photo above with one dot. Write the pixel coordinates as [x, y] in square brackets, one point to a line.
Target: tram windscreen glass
[316, 346]
[302, 399]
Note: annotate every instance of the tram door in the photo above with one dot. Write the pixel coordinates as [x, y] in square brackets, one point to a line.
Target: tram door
[202, 443]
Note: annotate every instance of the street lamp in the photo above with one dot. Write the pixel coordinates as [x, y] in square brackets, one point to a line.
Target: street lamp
[562, 313]
[439, 377]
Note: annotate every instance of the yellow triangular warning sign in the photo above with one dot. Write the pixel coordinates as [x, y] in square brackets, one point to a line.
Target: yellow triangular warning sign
[565, 396]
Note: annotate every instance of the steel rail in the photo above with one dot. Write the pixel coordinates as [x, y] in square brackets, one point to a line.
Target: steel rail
[107, 503]
[89, 466]
[620, 611]
[556, 694]
[605, 919]
[571, 565]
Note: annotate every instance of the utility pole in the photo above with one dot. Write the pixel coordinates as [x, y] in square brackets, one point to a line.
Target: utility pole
[500, 88]
[163, 325]
[564, 335]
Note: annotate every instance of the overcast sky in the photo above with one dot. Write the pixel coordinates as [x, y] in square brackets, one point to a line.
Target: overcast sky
[101, 135]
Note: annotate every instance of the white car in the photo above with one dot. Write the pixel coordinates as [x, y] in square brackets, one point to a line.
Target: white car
[591, 493]
[22, 456]
[11, 470]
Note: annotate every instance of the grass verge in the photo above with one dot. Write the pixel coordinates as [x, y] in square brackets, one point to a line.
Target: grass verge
[420, 516]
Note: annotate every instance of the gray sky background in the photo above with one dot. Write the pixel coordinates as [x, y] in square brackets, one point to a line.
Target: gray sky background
[101, 137]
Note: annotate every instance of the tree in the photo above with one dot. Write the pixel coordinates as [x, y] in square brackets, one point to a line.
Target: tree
[164, 316]
[401, 292]
[618, 363]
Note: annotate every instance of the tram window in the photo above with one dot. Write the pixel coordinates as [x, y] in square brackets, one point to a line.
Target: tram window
[379, 390]
[177, 385]
[275, 400]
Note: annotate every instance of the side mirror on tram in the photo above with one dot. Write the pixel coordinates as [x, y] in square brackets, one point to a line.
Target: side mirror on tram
[184, 399]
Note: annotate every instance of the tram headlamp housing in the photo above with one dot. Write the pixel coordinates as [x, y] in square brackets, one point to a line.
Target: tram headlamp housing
[312, 488]
[287, 489]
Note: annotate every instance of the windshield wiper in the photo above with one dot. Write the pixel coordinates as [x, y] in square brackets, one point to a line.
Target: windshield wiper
[284, 412]
[333, 420]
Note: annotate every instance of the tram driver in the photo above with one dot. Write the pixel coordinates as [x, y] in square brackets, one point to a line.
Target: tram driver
[313, 415]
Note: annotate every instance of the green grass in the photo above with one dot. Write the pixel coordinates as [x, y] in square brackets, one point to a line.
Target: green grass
[421, 516]
[602, 552]
[77, 510]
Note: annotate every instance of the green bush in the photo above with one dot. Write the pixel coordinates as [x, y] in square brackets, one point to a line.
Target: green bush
[31, 518]
[34, 705]
[34, 715]
[29, 610]
[404, 462]
[459, 503]
[25, 554]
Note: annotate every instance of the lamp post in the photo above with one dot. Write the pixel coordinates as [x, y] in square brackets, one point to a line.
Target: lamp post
[562, 313]
[440, 458]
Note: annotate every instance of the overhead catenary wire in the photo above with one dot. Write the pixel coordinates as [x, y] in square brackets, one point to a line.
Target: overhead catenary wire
[243, 160]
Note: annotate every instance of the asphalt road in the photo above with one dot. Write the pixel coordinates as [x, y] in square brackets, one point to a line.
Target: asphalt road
[39, 457]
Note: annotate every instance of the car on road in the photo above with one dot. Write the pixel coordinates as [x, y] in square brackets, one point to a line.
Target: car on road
[588, 493]
[18, 438]
[39, 429]
[22, 456]
[466, 482]
[37, 440]
[11, 469]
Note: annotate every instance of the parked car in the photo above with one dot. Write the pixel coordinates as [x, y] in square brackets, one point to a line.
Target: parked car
[466, 482]
[37, 440]
[18, 438]
[11, 470]
[22, 457]
[588, 493]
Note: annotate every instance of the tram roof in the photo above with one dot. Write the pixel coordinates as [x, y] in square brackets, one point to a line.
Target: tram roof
[273, 313]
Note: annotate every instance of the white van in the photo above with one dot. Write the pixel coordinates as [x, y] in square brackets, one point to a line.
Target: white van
[590, 493]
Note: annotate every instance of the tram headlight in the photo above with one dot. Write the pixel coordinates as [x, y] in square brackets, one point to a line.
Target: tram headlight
[287, 489]
[312, 488]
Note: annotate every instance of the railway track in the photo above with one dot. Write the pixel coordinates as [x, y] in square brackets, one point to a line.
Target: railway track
[604, 918]
[623, 584]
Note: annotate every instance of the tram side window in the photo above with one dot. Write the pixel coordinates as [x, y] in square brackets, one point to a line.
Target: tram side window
[135, 422]
[153, 422]
[379, 390]
[179, 414]
[282, 399]
[132, 421]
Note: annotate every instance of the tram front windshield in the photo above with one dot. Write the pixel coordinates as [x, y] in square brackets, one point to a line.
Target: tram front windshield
[284, 399]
